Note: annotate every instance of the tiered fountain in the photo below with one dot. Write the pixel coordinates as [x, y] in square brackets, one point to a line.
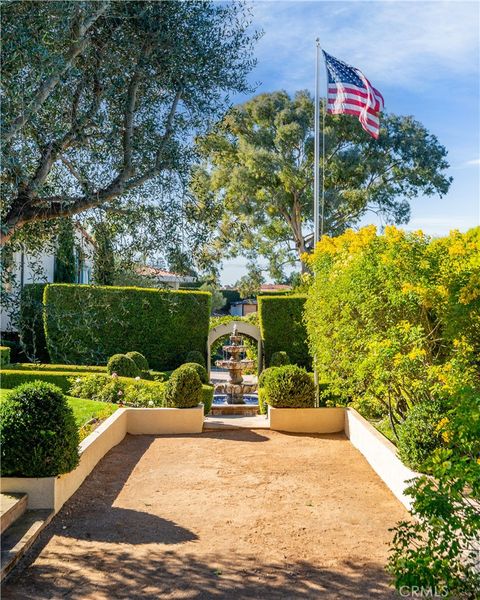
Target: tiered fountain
[235, 388]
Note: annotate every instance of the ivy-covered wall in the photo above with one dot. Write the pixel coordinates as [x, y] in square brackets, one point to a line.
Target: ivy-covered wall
[282, 327]
[88, 324]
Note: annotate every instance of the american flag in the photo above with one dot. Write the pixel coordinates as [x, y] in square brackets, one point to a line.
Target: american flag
[350, 92]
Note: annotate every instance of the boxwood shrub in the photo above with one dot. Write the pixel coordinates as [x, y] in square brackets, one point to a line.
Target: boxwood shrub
[279, 359]
[289, 386]
[30, 323]
[123, 366]
[4, 356]
[202, 371]
[194, 356]
[419, 435]
[183, 389]
[283, 329]
[139, 360]
[207, 398]
[38, 433]
[87, 324]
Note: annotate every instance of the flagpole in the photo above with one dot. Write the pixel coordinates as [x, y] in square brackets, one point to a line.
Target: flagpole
[316, 159]
[316, 184]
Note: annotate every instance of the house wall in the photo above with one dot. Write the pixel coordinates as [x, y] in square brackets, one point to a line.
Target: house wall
[40, 268]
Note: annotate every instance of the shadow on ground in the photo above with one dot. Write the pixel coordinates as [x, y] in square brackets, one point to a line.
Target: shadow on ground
[169, 575]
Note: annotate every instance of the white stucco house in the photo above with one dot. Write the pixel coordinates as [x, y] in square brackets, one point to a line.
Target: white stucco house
[40, 268]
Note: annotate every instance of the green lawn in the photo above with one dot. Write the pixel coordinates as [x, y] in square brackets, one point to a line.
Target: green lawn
[83, 409]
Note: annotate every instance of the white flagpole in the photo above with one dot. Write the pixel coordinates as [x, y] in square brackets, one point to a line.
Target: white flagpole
[316, 183]
[316, 160]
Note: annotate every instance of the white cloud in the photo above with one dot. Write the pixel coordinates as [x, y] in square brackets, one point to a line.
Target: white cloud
[415, 44]
[474, 162]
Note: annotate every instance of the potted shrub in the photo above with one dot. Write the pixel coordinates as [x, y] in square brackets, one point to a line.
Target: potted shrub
[289, 392]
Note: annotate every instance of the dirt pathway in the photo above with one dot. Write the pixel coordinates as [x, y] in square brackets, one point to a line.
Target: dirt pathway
[227, 514]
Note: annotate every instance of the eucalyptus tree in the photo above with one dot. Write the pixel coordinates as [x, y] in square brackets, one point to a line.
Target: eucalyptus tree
[101, 98]
[257, 176]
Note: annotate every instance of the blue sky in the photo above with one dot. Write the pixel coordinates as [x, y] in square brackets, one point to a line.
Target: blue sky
[423, 56]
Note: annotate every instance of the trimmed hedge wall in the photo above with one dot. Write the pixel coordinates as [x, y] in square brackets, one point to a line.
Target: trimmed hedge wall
[30, 325]
[4, 356]
[283, 329]
[87, 324]
[48, 367]
[10, 378]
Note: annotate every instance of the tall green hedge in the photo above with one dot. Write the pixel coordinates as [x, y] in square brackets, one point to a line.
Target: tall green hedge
[283, 329]
[87, 324]
[30, 325]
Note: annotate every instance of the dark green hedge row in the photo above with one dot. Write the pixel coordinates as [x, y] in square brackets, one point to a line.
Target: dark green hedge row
[88, 324]
[48, 367]
[4, 355]
[30, 325]
[10, 378]
[283, 329]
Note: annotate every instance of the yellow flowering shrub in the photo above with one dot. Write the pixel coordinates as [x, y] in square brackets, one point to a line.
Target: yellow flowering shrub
[394, 319]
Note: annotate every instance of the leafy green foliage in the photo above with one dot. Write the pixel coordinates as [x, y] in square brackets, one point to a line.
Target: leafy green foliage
[119, 390]
[65, 264]
[87, 324]
[123, 366]
[218, 299]
[394, 319]
[201, 371]
[256, 176]
[419, 434]
[12, 378]
[103, 260]
[183, 389]
[283, 329]
[139, 360]
[116, 91]
[194, 356]
[289, 386]
[4, 356]
[30, 322]
[57, 368]
[279, 359]
[38, 433]
[438, 548]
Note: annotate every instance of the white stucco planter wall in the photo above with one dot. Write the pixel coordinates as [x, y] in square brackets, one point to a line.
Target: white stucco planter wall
[53, 492]
[307, 420]
[380, 453]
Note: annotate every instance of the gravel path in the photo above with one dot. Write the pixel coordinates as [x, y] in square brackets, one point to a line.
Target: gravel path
[220, 515]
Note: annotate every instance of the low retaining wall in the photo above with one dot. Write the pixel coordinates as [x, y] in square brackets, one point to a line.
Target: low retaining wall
[307, 420]
[53, 492]
[380, 453]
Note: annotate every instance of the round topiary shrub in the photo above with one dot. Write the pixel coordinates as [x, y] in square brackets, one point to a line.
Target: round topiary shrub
[139, 360]
[183, 389]
[264, 375]
[123, 366]
[288, 387]
[194, 356]
[279, 359]
[419, 436]
[38, 433]
[202, 371]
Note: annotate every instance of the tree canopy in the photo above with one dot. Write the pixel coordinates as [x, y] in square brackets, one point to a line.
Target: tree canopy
[100, 99]
[257, 175]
